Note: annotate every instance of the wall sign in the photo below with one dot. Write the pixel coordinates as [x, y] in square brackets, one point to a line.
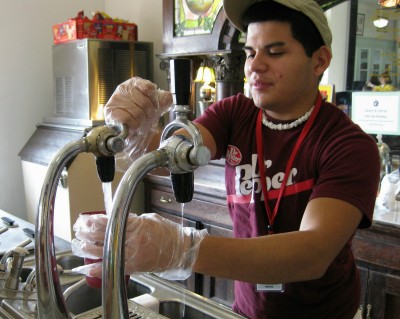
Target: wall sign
[377, 112]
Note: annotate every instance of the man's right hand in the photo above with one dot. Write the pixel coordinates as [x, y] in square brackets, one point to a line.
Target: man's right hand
[138, 104]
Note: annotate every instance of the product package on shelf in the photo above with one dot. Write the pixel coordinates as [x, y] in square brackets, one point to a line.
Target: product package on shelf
[101, 26]
[65, 31]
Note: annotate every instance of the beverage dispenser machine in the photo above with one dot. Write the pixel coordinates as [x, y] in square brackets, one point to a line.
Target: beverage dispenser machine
[85, 74]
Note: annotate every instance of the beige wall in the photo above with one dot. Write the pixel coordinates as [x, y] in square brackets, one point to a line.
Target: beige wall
[147, 14]
[26, 81]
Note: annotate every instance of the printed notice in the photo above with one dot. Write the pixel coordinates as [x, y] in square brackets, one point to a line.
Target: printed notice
[376, 112]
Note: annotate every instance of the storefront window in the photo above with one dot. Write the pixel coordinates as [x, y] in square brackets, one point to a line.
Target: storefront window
[374, 84]
[376, 47]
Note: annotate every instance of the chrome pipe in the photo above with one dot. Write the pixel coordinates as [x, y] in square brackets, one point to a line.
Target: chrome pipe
[114, 297]
[101, 141]
[50, 300]
[173, 154]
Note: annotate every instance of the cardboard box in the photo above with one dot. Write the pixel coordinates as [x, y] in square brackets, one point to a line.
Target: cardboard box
[97, 29]
[130, 32]
[109, 30]
[83, 27]
[65, 31]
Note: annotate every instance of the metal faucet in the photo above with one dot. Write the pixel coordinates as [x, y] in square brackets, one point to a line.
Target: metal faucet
[101, 141]
[10, 270]
[19, 254]
[180, 155]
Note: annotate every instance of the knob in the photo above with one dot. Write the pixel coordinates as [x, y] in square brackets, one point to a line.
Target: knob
[200, 156]
[115, 144]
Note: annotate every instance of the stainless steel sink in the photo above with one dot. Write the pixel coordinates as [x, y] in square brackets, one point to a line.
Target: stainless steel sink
[175, 302]
[84, 302]
[86, 298]
[69, 261]
[179, 310]
[25, 272]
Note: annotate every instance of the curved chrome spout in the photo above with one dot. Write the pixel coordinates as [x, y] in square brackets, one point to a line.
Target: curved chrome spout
[50, 300]
[114, 296]
[171, 154]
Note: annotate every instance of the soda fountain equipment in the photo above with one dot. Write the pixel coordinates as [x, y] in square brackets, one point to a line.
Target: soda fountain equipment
[181, 155]
[103, 141]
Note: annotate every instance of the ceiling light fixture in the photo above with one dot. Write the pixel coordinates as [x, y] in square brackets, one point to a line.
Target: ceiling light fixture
[381, 22]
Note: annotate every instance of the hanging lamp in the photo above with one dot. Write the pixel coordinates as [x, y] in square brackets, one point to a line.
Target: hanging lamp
[381, 21]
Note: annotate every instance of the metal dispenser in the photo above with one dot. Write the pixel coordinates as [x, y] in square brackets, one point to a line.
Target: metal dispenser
[180, 155]
[101, 141]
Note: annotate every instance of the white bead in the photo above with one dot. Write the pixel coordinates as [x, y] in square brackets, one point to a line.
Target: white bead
[283, 127]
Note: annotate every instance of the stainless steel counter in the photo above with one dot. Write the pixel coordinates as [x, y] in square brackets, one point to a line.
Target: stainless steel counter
[149, 297]
[14, 235]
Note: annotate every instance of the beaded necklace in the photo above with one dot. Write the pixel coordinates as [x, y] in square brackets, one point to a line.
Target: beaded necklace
[283, 127]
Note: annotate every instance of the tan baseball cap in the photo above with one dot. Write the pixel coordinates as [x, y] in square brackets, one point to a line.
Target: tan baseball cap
[235, 9]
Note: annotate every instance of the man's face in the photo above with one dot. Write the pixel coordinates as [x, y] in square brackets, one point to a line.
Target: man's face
[281, 76]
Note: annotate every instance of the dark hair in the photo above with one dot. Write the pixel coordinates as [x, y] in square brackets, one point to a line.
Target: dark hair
[374, 79]
[303, 29]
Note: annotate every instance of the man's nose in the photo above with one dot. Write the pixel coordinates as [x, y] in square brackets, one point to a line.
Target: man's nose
[257, 64]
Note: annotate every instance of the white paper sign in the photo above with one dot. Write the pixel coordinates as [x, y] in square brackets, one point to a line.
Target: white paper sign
[377, 112]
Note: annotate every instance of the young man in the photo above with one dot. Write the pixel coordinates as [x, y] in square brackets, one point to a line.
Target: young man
[300, 177]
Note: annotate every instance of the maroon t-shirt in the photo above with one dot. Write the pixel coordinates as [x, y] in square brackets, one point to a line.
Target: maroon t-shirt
[336, 159]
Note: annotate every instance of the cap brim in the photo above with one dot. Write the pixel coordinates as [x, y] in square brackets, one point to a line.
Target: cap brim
[234, 10]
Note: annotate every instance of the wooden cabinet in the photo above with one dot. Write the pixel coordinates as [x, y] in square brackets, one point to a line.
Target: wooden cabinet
[207, 210]
[377, 251]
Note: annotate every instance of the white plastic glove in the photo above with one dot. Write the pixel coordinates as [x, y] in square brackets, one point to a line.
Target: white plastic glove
[153, 244]
[138, 104]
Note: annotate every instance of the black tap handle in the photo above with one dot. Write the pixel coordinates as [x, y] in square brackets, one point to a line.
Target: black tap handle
[183, 186]
[105, 168]
[181, 80]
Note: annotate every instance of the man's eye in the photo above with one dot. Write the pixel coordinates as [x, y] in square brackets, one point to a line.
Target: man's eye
[275, 53]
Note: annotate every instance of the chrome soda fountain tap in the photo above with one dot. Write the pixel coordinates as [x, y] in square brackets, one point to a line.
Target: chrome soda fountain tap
[182, 175]
[107, 145]
[178, 153]
[101, 141]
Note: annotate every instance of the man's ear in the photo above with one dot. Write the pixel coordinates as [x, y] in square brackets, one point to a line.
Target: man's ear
[322, 58]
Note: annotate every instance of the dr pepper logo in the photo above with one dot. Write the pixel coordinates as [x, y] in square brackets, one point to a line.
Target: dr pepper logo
[233, 155]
